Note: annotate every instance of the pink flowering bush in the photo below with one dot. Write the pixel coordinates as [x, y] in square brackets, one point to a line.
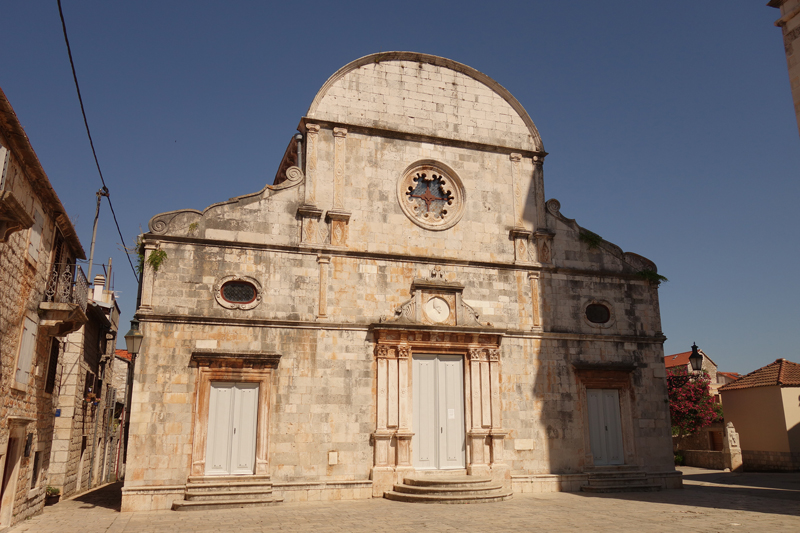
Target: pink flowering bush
[691, 406]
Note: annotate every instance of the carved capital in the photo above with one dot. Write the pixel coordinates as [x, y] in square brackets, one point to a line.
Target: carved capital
[494, 354]
[475, 354]
[403, 352]
[338, 132]
[312, 129]
[516, 158]
[382, 351]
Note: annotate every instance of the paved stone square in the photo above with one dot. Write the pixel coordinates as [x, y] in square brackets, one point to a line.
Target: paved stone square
[711, 501]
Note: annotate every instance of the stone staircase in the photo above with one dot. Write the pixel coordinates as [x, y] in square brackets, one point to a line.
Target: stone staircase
[450, 489]
[618, 478]
[205, 493]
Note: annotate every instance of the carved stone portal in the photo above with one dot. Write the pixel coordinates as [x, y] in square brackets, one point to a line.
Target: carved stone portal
[436, 321]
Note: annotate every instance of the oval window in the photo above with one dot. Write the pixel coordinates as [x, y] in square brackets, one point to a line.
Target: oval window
[598, 313]
[239, 292]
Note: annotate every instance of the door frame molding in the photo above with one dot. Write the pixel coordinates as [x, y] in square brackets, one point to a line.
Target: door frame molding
[607, 377]
[394, 347]
[243, 368]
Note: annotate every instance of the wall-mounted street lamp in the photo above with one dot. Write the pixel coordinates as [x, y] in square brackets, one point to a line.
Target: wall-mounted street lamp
[696, 362]
[133, 339]
[696, 359]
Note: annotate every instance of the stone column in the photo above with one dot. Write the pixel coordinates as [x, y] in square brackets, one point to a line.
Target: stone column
[337, 217]
[310, 215]
[312, 134]
[324, 261]
[519, 235]
[536, 301]
[404, 409]
[538, 190]
[481, 416]
[148, 278]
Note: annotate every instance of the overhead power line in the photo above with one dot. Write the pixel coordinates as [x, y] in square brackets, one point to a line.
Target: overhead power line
[91, 143]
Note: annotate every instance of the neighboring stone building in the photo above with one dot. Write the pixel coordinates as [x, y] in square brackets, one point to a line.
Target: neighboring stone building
[42, 298]
[401, 300]
[764, 407]
[789, 23]
[84, 441]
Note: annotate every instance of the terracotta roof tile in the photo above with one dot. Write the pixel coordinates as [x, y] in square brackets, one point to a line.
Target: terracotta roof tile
[731, 375]
[782, 373]
[123, 354]
[682, 359]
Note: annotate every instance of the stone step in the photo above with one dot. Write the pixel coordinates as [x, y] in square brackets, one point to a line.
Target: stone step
[230, 486]
[228, 495]
[617, 475]
[447, 482]
[612, 468]
[437, 498]
[633, 487]
[183, 505]
[263, 478]
[448, 491]
[616, 482]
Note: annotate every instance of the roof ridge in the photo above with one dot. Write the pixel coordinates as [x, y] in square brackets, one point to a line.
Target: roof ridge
[780, 370]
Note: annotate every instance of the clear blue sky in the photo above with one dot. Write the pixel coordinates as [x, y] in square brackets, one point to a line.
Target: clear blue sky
[669, 125]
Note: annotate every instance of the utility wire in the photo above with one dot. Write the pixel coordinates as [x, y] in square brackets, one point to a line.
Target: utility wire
[91, 143]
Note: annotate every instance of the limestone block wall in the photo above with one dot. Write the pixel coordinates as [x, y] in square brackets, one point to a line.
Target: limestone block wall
[544, 409]
[362, 290]
[22, 285]
[321, 401]
[423, 98]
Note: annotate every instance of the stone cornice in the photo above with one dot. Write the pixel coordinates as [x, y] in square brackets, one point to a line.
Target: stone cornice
[310, 324]
[425, 260]
[419, 137]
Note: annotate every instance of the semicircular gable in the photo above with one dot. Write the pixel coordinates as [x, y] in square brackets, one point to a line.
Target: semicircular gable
[425, 94]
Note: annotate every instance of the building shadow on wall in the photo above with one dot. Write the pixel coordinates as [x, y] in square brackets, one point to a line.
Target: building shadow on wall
[107, 497]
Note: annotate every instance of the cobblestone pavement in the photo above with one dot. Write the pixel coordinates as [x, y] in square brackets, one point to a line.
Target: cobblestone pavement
[711, 501]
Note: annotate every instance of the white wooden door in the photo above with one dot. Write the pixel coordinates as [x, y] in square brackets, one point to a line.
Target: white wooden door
[605, 431]
[232, 412]
[439, 434]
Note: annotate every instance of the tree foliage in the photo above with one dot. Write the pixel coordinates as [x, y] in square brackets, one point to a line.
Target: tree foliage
[691, 406]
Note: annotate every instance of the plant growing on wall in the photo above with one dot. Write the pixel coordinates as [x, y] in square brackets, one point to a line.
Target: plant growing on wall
[154, 260]
[652, 276]
[590, 239]
[691, 406]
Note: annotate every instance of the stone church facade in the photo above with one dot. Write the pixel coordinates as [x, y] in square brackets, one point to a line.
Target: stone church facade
[402, 299]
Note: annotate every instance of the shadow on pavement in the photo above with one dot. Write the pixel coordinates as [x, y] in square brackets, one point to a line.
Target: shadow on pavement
[108, 497]
[774, 493]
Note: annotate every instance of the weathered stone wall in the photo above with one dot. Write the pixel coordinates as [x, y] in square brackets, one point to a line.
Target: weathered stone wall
[423, 98]
[22, 285]
[704, 459]
[760, 461]
[524, 267]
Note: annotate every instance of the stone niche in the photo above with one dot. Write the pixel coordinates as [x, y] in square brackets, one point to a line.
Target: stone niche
[436, 321]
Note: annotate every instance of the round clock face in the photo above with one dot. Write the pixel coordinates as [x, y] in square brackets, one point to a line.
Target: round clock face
[431, 195]
[437, 309]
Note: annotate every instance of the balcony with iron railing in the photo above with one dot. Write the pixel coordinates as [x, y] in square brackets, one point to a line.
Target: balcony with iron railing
[64, 307]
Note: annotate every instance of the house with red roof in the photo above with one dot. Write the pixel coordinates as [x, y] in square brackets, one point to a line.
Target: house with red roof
[764, 407]
[717, 377]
